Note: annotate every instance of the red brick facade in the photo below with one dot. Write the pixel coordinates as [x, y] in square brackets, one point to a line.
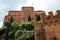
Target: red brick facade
[50, 24]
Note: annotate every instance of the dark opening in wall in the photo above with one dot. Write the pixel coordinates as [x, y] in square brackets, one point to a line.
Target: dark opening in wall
[29, 18]
[10, 19]
[54, 38]
[38, 18]
[28, 15]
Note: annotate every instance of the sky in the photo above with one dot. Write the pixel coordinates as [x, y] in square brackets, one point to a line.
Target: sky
[45, 5]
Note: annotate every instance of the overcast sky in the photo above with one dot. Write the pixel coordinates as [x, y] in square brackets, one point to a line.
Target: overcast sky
[46, 5]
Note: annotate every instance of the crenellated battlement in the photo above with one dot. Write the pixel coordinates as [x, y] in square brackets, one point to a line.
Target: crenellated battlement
[27, 12]
[24, 14]
[50, 17]
[49, 27]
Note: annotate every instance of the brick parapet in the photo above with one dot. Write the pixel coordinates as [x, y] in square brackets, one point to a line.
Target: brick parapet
[50, 17]
[33, 15]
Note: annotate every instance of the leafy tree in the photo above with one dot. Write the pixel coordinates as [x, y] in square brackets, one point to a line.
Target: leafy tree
[17, 31]
[2, 33]
[14, 28]
[8, 25]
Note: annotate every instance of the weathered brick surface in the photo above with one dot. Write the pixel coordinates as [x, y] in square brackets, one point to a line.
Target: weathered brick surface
[23, 14]
[51, 25]
[49, 28]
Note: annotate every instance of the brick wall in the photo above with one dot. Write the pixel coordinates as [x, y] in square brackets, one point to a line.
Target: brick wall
[49, 28]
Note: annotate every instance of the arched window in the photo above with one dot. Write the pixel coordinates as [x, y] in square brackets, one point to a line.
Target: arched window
[10, 19]
[28, 16]
[38, 18]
